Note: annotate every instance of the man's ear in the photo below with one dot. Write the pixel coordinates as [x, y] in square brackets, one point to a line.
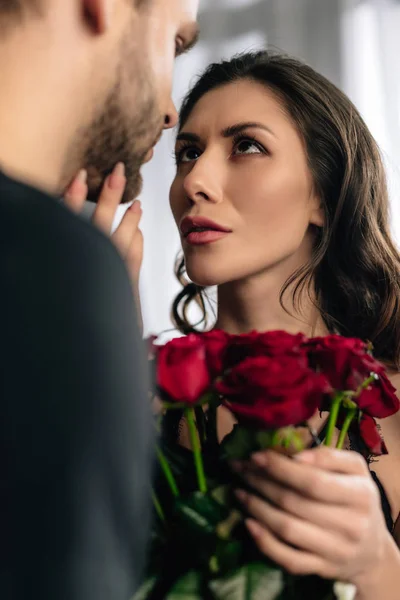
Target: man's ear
[98, 14]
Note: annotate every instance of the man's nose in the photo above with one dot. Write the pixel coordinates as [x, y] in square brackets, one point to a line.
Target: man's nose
[171, 118]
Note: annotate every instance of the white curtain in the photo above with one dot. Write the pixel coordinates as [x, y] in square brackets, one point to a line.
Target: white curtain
[355, 43]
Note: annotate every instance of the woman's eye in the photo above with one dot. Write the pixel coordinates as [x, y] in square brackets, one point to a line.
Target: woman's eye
[187, 155]
[248, 147]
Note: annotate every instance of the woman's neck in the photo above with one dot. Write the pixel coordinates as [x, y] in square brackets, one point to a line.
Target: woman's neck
[254, 304]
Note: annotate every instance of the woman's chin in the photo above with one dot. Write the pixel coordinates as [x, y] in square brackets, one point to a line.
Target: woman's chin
[204, 278]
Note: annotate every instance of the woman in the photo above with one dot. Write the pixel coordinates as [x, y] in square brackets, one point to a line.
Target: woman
[281, 202]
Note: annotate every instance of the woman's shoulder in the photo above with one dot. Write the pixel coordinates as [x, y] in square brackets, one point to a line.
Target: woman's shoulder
[391, 425]
[394, 377]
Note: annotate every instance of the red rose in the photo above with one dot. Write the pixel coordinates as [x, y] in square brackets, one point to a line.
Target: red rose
[347, 364]
[269, 343]
[182, 373]
[332, 355]
[370, 435]
[273, 393]
[379, 399]
[367, 430]
[216, 343]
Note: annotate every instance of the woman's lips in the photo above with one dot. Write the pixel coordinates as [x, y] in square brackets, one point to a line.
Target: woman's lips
[200, 238]
[199, 230]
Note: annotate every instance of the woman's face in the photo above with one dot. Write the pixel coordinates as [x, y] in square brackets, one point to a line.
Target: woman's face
[241, 164]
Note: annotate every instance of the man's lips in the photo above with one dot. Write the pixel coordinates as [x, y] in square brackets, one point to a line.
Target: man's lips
[190, 225]
[150, 152]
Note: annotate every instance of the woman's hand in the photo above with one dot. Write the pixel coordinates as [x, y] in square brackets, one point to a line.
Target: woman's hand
[128, 238]
[317, 514]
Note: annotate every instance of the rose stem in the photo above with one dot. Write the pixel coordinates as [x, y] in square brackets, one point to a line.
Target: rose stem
[200, 420]
[157, 506]
[347, 422]
[333, 415]
[371, 379]
[167, 472]
[212, 430]
[194, 440]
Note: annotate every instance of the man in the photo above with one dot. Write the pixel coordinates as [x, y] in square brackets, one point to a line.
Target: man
[83, 83]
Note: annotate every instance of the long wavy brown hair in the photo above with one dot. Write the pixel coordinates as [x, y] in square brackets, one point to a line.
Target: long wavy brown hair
[354, 271]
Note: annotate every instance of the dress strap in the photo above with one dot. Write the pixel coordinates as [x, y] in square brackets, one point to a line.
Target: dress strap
[386, 508]
[320, 436]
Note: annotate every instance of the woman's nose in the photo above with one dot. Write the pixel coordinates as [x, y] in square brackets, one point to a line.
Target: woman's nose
[202, 183]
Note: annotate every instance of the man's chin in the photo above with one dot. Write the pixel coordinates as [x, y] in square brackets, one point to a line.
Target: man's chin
[132, 190]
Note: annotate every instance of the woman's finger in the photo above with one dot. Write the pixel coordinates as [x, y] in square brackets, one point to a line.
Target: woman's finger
[292, 530]
[110, 198]
[330, 517]
[336, 461]
[76, 193]
[292, 560]
[134, 257]
[310, 481]
[124, 235]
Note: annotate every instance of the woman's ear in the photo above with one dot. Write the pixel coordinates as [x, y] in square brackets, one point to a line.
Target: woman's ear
[317, 216]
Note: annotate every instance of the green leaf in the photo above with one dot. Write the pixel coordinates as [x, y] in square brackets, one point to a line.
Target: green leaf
[145, 589]
[180, 461]
[254, 581]
[228, 556]
[200, 513]
[196, 522]
[239, 444]
[243, 442]
[188, 587]
[222, 494]
[267, 439]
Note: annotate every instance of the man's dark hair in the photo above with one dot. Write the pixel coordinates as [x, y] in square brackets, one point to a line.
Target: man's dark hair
[10, 6]
[15, 9]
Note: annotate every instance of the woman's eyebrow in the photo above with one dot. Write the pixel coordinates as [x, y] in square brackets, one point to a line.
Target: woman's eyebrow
[233, 130]
[228, 132]
[187, 137]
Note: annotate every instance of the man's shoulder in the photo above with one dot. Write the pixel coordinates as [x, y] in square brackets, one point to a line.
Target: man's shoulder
[35, 223]
[49, 254]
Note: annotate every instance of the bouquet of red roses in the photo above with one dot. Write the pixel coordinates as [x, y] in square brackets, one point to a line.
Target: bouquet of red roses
[272, 383]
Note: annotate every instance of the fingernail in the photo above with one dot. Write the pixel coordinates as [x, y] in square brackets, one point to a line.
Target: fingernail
[119, 169]
[260, 459]
[254, 528]
[136, 206]
[82, 176]
[117, 178]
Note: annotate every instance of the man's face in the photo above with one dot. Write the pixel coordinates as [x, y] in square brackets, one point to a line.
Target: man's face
[137, 104]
